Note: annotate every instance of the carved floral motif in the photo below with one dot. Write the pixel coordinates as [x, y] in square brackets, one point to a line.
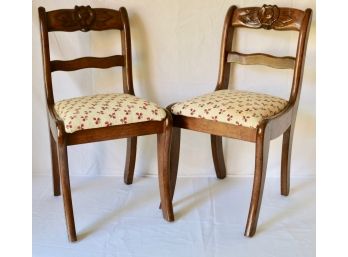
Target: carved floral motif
[265, 17]
[85, 17]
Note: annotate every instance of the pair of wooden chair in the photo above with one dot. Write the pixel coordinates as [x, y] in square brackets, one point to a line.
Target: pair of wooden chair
[242, 115]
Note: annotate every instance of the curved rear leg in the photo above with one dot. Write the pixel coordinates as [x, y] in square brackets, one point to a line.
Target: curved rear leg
[55, 166]
[261, 157]
[174, 158]
[286, 160]
[130, 160]
[218, 157]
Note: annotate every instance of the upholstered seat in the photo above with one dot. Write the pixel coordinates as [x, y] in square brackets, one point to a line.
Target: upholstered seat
[235, 107]
[106, 110]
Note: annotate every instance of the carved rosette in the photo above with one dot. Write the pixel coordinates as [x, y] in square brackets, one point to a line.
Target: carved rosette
[84, 16]
[265, 17]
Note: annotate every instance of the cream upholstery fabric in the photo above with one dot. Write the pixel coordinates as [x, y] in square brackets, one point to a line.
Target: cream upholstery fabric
[106, 110]
[242, 108]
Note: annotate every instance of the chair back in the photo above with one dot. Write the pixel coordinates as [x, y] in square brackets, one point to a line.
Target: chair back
[85, 18]
[266, 17]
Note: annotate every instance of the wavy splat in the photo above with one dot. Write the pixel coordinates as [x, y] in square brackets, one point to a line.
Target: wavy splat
[87, 62]
[285, 62]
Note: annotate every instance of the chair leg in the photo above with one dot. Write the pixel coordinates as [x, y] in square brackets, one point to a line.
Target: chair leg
[261, 157]
[163, 156]
[130, 160]
[286, 160]
[218, 156]
[64, 177]
[174, 159]
[55, 167]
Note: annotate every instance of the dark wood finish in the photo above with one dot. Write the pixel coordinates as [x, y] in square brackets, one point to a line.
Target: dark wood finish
[114, 132]
[261, 158]
[88, 62]
[215, 128]
[268, 17]
[281, 121]
[218, 156]
[163, 157]
[130, 160]
[174, 158]
[284, 62]
[127, 52]
[85, 19]
[265, 17]
[300, 59]
[286, 160]
[226, 46]
[55, 166]
[46, 57]
[65, 181]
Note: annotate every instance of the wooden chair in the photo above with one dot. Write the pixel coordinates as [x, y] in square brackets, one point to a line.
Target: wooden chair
[244, 115]
[100, 117]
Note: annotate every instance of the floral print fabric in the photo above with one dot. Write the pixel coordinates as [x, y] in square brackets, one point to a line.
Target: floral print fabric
[235, 107]
[106, 110]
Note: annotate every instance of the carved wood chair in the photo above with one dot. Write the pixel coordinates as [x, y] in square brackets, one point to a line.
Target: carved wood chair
[244, 115]
[99, 117]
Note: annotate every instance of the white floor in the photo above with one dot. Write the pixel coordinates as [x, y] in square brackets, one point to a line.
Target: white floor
[113, 219]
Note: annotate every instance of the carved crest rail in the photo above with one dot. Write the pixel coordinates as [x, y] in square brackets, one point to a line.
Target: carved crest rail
[268, 17]
[83, 18]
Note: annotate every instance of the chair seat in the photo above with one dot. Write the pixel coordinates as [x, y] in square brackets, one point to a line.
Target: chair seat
[234, 107]
[105, 110]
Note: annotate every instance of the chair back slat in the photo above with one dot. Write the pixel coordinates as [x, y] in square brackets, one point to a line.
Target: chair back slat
[284, 62]
[87, 62]
[83, 18]
[268, 17]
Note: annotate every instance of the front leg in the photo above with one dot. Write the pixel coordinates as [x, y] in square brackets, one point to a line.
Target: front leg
[261, 158]
[65, 181]
[163, 156]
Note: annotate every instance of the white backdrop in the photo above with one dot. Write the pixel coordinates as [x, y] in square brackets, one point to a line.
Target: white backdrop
[176, 48]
